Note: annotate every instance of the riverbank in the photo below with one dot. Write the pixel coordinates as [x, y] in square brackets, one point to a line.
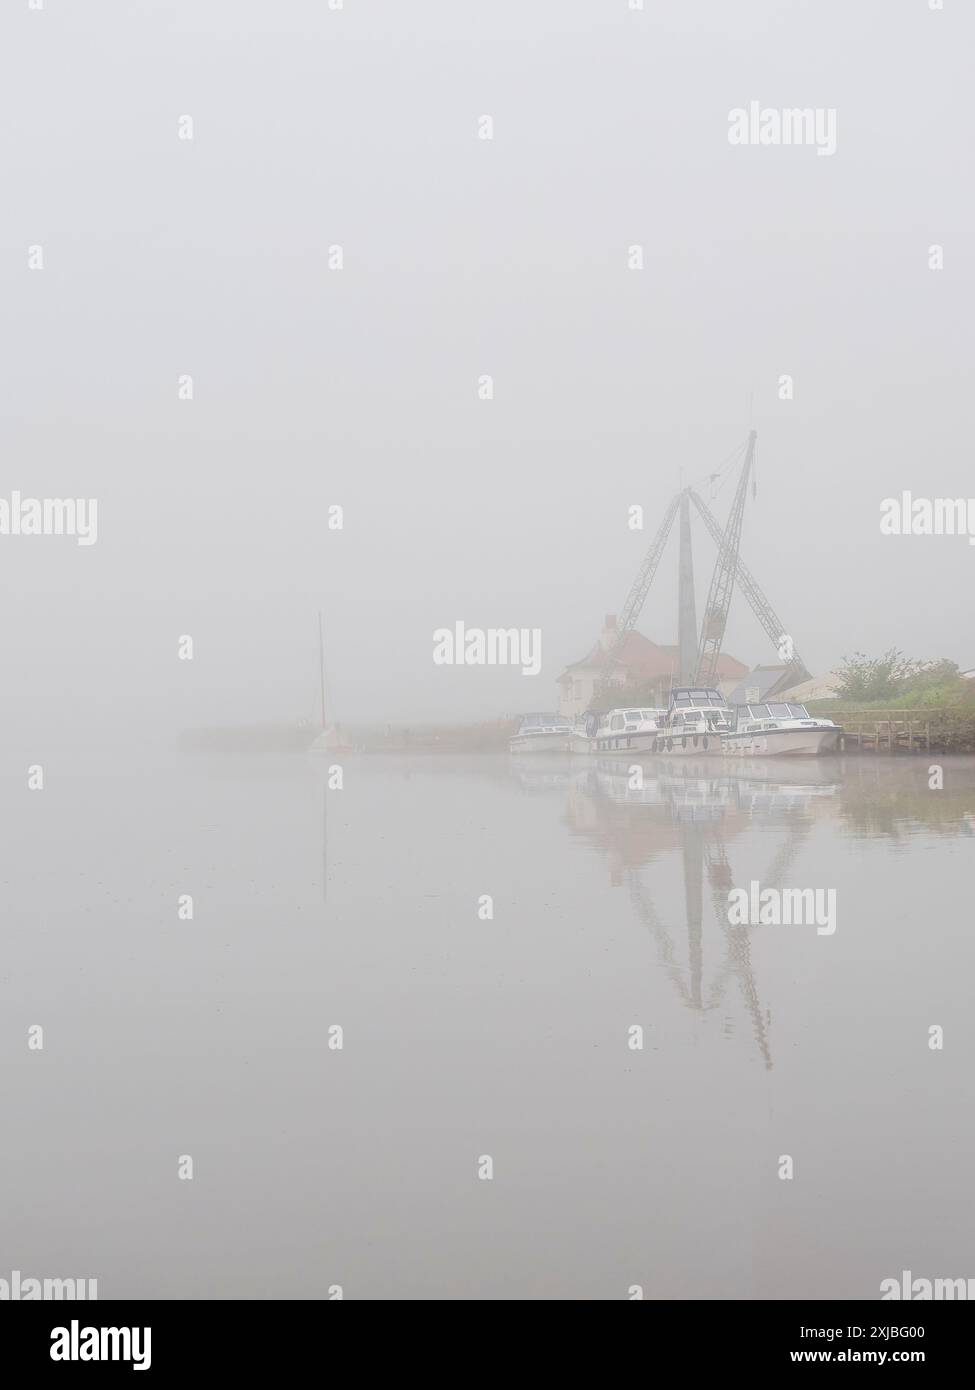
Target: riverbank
[949, 729]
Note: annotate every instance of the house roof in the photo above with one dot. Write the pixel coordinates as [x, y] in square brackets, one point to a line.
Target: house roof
[763, 679]
[642, 659]
[819, 688]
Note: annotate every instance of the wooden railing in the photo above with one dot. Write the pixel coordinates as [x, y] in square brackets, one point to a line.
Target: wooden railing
[887, 735]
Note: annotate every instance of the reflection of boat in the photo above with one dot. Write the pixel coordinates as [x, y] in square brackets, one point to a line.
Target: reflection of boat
[779, 728]
[695, 722]
[542, 733]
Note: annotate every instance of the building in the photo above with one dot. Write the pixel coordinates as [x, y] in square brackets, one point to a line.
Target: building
[759, 685]
[639, 663]
[820, 688]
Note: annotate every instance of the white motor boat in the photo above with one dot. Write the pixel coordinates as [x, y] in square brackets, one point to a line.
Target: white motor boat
[542, 733]
[626, 731]
[697, 719]
[777, 728]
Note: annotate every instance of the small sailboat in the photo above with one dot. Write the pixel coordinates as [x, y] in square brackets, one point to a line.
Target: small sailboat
[330, 739]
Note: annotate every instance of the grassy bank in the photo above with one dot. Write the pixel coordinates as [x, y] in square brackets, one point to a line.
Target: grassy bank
[948, 709]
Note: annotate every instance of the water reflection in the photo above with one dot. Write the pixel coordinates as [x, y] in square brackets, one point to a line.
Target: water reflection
[697, 809]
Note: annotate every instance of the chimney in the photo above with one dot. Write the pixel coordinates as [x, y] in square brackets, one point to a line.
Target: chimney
[607, 638]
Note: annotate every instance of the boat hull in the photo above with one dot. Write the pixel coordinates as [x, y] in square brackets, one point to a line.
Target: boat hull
[688, 745]
[642, 741]
[533, 744]
[581, 743]
[777, 743]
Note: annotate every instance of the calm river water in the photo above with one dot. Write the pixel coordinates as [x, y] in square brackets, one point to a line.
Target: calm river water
[467, 1035]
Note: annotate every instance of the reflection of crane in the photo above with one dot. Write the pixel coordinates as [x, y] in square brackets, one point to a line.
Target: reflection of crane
[703, 848]
[704, 858]
[694, 811]
[728, 569]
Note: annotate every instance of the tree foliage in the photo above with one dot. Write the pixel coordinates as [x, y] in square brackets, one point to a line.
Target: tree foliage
[893, 676]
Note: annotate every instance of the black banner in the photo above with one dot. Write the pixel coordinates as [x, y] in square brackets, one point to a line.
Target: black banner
[170, 1341]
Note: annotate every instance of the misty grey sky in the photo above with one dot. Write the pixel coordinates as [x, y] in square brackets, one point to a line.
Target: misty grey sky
[465, 257]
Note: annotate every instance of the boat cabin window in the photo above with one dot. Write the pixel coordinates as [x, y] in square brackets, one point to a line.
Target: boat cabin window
[697, 697]
[616, 722]
[773, 710]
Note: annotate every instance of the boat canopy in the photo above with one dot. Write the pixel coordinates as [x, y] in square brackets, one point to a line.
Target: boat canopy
[687, 697]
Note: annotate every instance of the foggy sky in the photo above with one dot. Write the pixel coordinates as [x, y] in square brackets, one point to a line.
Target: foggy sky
[465, 257]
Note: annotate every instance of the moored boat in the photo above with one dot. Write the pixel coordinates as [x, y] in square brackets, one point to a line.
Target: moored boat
[696, 720]
[778, 728]
[627, 730]
[542, 733]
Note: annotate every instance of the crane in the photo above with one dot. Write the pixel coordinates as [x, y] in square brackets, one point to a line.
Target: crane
[729, 568]
[757, 601]
[723, 579]
[639, 589]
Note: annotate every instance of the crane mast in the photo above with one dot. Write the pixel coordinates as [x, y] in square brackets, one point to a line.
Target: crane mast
[728, 569]
[723, 579]
[639, 589]
[757, 601]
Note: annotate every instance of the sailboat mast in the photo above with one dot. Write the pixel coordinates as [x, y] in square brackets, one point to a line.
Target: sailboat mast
[321, 663]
